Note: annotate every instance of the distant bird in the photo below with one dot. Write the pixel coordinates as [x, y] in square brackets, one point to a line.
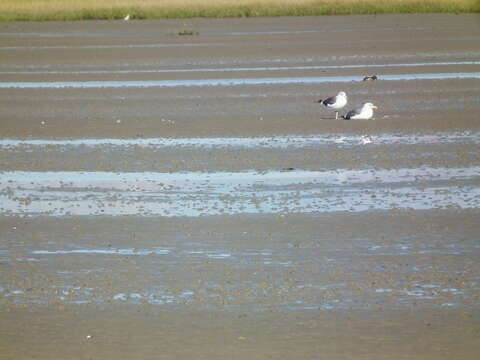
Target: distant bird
[370, 78]
[126, 18]
[363, 112]
[335, 102]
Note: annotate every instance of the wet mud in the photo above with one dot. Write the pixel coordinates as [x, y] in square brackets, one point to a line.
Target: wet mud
[164, 196]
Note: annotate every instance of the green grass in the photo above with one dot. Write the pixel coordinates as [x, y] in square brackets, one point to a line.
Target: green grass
[41, 10]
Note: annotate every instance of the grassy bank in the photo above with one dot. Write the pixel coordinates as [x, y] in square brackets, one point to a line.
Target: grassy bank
[11, 10]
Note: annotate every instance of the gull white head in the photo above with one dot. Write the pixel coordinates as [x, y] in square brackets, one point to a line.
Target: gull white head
[370, 106]
[335, 102]
[363, 113]
[367, 111]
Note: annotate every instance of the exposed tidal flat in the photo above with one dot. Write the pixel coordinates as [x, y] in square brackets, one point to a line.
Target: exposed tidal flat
[240, 220]
[267, 285]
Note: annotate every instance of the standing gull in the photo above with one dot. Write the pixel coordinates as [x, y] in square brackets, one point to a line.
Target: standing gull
[363, 112]
[335, 102]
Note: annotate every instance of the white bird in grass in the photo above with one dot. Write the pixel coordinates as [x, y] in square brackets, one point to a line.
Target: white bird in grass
[126, 18]
[335, 102]
[363, 112]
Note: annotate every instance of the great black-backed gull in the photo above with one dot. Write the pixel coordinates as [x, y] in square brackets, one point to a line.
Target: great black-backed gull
[363, 112]
[335, 102]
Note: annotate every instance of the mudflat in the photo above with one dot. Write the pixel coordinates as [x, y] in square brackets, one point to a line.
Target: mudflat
[167, 196]
[243, 49]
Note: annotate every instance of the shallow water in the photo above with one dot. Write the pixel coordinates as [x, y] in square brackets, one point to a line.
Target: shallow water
[228, 82]
[243, 69]
[201, 194]
[275, 142]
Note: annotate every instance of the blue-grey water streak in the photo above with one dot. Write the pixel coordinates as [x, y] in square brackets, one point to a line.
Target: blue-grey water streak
[228, 82]
[274, 142]
[230, 193]
[239, 69]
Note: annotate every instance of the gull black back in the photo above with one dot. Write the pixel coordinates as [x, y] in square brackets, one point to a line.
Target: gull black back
[328, 101]
[349, 115]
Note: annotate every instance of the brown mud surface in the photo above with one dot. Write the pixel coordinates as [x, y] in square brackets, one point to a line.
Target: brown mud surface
[80, 50]
[148, 333]
[323, 239]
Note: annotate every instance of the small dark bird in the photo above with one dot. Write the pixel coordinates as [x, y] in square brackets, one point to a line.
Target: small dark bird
[370, 78]
[335, 102]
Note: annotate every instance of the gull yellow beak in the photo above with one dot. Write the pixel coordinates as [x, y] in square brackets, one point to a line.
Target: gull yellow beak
[374, 107]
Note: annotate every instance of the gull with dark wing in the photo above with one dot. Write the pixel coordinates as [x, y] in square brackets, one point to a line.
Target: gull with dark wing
[363, 112]
[335, 102]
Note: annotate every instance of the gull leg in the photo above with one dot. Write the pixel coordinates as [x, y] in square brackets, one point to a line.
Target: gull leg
[336, 115]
